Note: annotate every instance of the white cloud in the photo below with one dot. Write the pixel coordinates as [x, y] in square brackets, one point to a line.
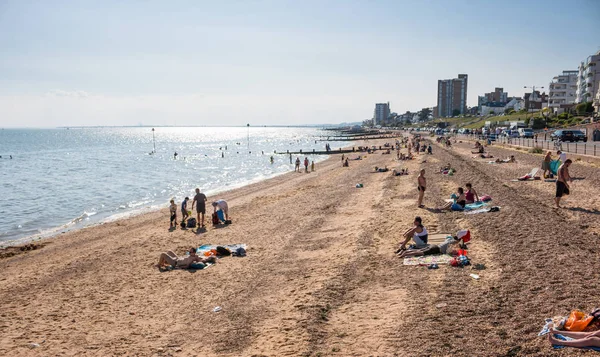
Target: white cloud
[64, 93]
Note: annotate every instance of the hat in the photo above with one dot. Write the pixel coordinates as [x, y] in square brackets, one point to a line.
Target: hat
[464, 234]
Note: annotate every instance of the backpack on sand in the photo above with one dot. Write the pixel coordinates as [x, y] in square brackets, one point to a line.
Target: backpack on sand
[191, 222]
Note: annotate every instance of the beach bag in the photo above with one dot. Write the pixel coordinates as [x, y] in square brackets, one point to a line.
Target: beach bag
[191, 222]
[486, 198]
[182, 224]
[215, 219]
[465, 235]
[578, 321]
[223, 252]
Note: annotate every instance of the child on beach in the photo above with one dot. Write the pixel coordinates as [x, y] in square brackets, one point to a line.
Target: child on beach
[184, 211]
[459, 204]
[173, 210]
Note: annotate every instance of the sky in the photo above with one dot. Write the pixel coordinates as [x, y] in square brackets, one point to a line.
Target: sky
[87, 63]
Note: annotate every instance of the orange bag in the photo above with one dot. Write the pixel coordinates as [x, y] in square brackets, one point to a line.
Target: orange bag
[577, 321]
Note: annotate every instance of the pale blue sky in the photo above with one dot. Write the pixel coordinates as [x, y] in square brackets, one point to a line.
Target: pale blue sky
[272, 62]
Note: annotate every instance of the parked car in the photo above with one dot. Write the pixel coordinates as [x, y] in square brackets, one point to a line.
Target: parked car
[569, 135]
[526, 133]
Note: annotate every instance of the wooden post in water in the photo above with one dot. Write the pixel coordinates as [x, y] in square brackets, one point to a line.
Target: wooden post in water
[153, 142]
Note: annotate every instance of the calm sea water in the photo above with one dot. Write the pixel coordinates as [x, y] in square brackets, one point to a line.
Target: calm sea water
[61, 179]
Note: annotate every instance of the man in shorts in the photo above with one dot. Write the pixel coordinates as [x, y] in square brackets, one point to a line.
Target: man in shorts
[200, 202]
[562, 186]
[421, 185]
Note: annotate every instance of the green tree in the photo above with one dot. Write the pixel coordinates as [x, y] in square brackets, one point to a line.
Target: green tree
[455, 112]
[424, 114]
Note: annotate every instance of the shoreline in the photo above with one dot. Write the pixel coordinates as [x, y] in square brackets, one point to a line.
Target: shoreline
[320, 275]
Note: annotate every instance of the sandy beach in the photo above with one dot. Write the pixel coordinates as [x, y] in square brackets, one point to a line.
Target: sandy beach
[321, 277]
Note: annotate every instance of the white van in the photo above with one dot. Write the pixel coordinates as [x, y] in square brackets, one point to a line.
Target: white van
[526, 132]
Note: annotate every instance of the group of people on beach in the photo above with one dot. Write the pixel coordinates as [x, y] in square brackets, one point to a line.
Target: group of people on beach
[199, 202]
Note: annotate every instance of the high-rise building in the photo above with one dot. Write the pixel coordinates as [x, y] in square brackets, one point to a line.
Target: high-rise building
[563, 90]
[452, 96]
[381, 113]
[497, 96]
[589, 78]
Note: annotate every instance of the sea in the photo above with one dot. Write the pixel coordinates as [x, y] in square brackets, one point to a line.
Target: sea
[68, 178]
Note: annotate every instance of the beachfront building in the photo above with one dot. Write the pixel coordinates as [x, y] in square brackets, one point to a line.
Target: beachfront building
[498, 96]
[452, 96]
[535, 101]
[597, 102]
[381, 113]
[588, 81]
[563, 91]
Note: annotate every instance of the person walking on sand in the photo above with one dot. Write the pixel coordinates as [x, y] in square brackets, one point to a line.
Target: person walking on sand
[173, 210]
[184, 211]
[200, 202]
[562, 186]
[561, 156]
[306, 164]
[421, 185]
[297, 165]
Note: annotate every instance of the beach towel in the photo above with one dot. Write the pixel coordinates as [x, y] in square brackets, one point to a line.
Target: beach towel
[475, 205]
[428, 260]
[208, 247]
[481, 210]
[554, 165]
[565, 338]
[529, 177]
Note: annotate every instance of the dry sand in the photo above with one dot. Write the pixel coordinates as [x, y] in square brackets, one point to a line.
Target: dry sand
[320, 278]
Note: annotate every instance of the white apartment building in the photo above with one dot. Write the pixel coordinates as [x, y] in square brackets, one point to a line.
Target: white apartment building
[381, 113]
[563, 90]
[589, 78]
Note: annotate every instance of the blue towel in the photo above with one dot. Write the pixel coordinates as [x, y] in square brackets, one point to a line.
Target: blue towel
[565, 338]
[475, 205]
[554, 165]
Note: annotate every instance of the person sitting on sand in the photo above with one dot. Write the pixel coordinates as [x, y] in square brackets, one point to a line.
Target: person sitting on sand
[171, 259]
[222, 205]
[345, 164]
[418, 233]
[579, 339]
[562, 186]
[459, 204]
[431, 249]
[429, 149]
[546, 163]
[400, 172]
[471, 195]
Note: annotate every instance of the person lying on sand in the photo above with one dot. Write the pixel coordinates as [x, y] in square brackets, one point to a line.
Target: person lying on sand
[381, 169]
[508, 160]
[580, 339]
[399, 172]
[486, 156]
[441, 248]
[458, 205]
[171, 259]
[418, 233]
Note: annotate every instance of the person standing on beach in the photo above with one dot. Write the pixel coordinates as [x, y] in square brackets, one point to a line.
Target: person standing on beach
[312, 166]
[306, 164]
[297, 165]
[290, 159]
[222, 205]
[562, 186]
[421, 185]
[184, 211]
[173, 210]
[561, 156]
[200, 202]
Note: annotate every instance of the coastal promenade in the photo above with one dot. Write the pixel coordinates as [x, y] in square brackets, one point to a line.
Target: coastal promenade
[321, 277]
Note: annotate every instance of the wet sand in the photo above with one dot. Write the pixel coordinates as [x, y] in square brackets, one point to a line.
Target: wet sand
[320, 278]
